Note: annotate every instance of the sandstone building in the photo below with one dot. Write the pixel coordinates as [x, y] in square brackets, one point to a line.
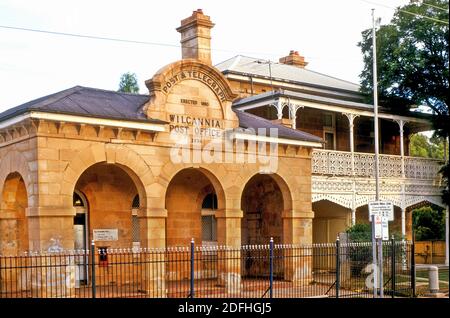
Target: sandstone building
[85, 163]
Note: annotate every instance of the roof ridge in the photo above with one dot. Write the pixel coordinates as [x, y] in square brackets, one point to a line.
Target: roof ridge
[111, 91]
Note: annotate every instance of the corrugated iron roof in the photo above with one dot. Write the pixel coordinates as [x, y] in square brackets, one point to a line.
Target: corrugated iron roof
[249, 65]
[86, 101]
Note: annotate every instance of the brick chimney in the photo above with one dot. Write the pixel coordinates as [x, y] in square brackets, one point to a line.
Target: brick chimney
[294, 59]
[196, 37]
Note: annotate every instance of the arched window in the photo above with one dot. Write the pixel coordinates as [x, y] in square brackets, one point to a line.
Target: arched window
[77, 200]
[209, 224]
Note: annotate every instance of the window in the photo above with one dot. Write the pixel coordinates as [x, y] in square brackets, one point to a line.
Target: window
[329, 131]
[209, 224]
[329, 139]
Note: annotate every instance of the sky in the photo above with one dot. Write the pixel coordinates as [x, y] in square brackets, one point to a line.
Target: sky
[33, 65]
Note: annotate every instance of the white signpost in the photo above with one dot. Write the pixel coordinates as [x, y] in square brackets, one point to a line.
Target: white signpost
[381, 208]
[380, 213]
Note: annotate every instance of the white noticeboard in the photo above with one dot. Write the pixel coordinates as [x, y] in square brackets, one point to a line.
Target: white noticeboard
[381, 208]
[106, 235]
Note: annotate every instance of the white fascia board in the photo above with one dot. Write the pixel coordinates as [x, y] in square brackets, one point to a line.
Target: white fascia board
[342, 109]
[331, 108]
[284, 141]
[84, 120]
[13, 121]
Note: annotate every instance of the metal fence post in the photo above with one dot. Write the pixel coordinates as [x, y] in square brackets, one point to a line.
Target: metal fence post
[413, 268]
[93, 268]
[271, 268]
[192, 268]
[338, 267]
[393, 265]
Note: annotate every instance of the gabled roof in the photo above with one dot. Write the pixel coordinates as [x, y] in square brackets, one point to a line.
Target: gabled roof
[86, 101]
[249, 65]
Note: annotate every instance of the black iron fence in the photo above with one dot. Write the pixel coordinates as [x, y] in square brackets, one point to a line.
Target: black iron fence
[252, 271]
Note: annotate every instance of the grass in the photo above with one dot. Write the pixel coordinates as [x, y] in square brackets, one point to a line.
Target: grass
[422, 280]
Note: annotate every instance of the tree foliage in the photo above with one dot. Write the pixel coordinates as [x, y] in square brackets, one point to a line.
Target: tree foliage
[413, 63]
[128, 83]
[422, 146]
[412, 58]
[429, 224]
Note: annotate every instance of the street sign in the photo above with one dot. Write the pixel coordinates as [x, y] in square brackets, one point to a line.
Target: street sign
[384, 228]
[381, 227]
[381, 208]
[378, 227]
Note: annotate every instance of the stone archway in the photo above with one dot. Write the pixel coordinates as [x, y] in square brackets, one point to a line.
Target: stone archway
[183, 201]
[109, 191]
[13, 222]
[265, 199]
[263, 202]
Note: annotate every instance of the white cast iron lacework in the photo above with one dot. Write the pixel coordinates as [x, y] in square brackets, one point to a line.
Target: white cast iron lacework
[339, 163]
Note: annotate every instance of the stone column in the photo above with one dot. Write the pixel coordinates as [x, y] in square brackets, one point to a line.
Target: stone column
[152, 223]
[9, 245]
[229, 259]
[50, 225]
[297, 229]
[408, 225]
[50, 231]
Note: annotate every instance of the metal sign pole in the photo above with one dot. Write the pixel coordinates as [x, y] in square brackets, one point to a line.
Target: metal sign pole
[375, 112]
[380, 258]
[374, 259]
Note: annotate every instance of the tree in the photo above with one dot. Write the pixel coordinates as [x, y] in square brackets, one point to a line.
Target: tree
[422, 146]
[429, 224]
[128, 83]
[413, 63]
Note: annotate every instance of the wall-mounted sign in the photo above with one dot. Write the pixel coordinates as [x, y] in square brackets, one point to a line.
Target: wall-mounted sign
[106, 234]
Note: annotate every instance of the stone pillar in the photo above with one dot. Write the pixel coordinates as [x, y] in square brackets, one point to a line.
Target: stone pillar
[48, 226]
[408, 224]
[9, 244]
[50, 230]
[297, 230]
[229, 259]
[152, 223]
[353, 216]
